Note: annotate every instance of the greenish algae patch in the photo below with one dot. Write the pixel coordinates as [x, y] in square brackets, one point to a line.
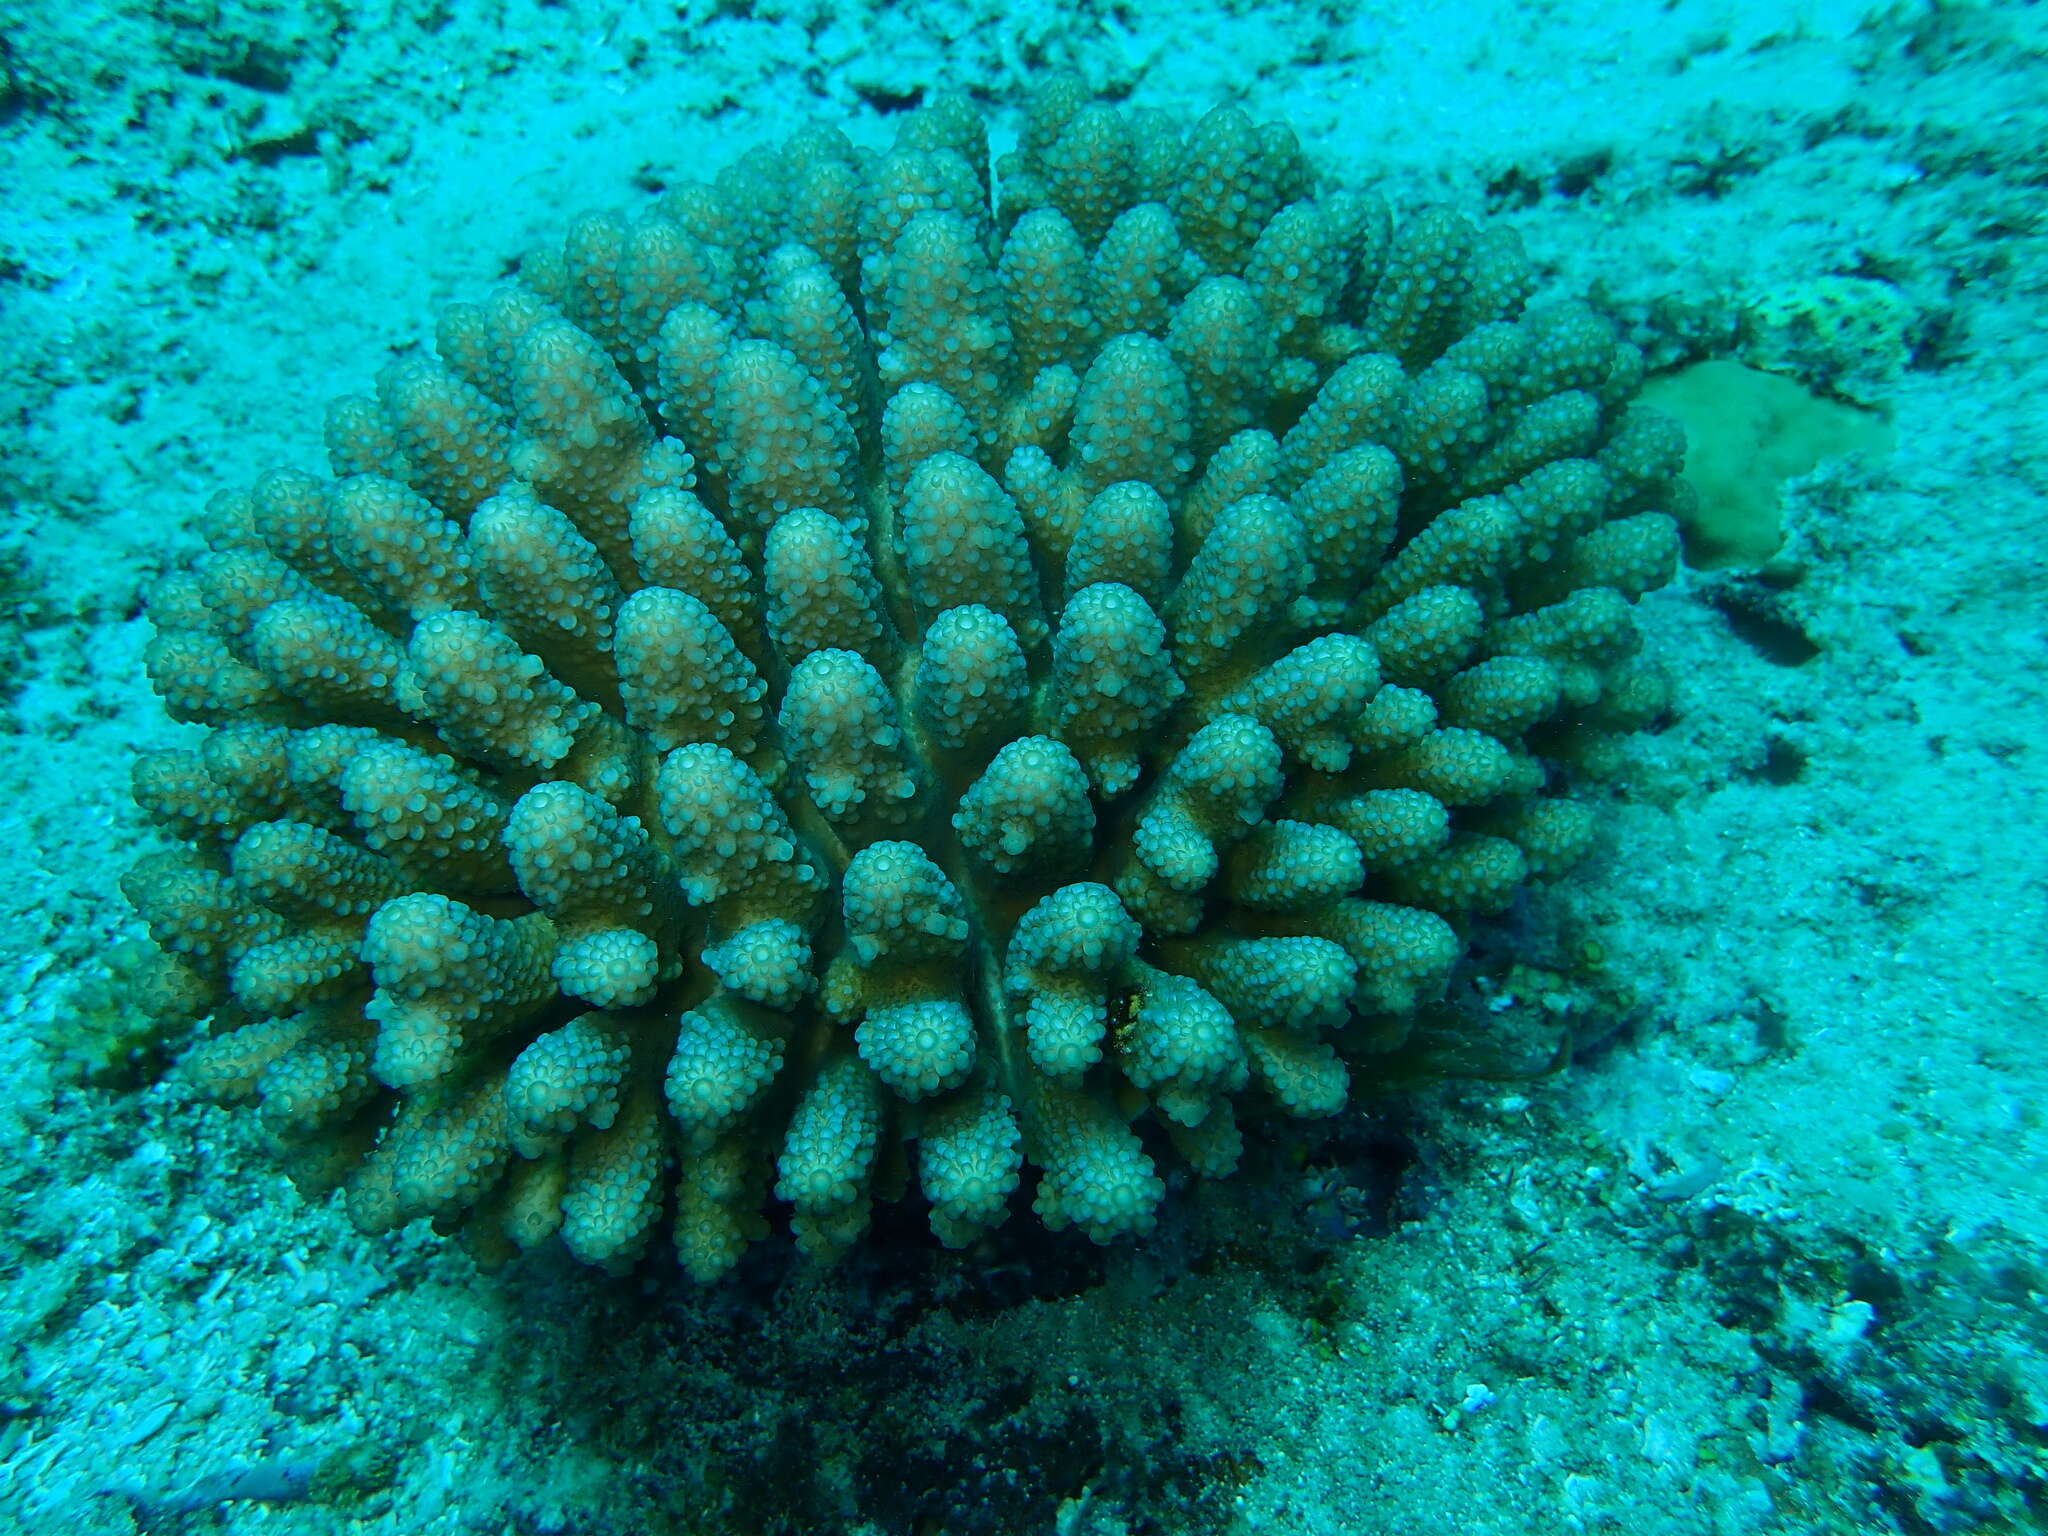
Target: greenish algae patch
[1747, 433]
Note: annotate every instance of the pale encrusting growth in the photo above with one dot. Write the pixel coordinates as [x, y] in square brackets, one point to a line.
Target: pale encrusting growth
[851, 679]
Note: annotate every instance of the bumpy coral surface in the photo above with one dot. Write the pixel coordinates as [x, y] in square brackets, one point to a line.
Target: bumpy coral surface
[851, 679]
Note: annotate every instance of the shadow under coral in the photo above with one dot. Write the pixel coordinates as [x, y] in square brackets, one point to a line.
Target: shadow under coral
[925, 1389]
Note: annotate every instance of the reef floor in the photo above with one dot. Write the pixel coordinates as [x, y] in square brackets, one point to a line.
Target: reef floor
[1767, 1257]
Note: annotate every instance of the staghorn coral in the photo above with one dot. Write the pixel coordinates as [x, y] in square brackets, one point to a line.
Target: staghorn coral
[847, 676]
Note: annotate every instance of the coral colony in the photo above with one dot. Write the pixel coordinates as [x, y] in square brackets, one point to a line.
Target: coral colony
[860, 682]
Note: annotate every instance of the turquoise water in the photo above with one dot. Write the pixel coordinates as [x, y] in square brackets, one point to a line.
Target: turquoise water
[1764, 1255]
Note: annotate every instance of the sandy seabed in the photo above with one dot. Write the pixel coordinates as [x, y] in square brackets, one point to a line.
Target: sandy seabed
[1770, 1258]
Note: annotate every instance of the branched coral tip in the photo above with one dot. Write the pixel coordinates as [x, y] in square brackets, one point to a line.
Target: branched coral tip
[1037, 664]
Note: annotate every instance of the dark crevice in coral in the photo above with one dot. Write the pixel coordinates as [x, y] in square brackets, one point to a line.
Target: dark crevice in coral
[270, 76]
[303, 142]
[1363, 1180]
[1513, 189]
[1712, 175]
[1821, 1396]
[887, 102]
[1938, 344]
[1758, 618]
[1522, 189]
[1784, 763]
[257, 69]
[1580, 174]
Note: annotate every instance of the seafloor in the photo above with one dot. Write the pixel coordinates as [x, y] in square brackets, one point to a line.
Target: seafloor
[1768, 1257]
